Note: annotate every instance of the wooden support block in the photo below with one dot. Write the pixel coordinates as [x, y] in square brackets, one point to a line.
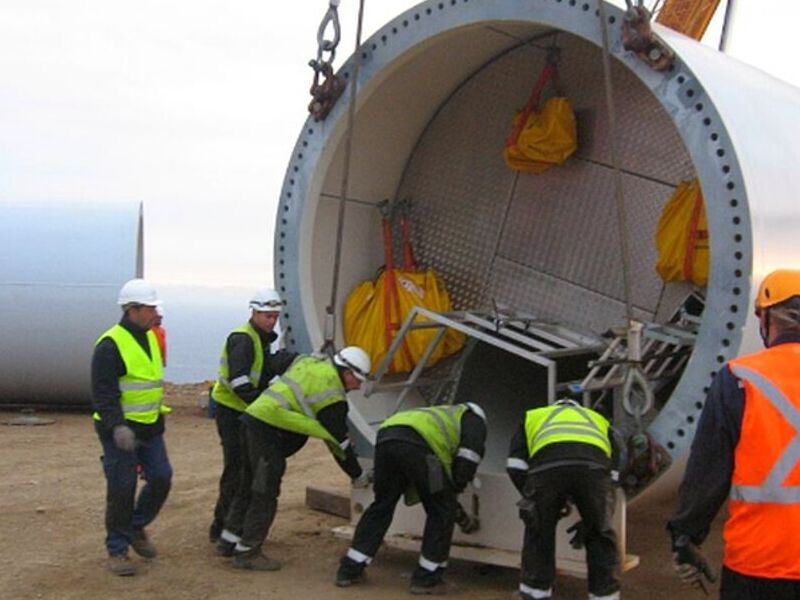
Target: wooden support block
[334, 501]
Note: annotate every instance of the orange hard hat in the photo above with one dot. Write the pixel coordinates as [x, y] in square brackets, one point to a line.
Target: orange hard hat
[778, 287]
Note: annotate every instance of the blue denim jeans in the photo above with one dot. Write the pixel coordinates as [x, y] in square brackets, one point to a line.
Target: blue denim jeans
[125, 513]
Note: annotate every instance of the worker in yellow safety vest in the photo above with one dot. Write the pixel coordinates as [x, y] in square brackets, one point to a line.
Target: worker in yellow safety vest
[430, 454]
[746, 452]
[565, 451]
[127, 396]
[246, 367]
[308, 400]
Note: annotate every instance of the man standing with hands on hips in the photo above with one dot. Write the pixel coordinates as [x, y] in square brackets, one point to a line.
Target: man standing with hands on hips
[127, 395]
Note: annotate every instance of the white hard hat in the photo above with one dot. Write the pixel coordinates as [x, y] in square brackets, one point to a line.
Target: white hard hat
[266, 300]
[355, 359]
[477, 410]
[138, 291]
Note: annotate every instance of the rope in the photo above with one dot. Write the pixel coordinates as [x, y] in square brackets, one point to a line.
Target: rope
[618, 183]
[634, 375]
[330, 310]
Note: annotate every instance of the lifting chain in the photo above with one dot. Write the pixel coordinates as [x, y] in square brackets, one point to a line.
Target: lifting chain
[638, 37]
[325, 94]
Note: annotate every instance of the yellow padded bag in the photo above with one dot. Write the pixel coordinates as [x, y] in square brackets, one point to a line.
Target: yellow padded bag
[547, 138]
[542, 137]
[375, 310]
[682, 236]
[365, 319]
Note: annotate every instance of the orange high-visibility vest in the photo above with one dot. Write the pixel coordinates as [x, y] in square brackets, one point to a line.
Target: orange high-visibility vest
[761, 533]
[161, 336]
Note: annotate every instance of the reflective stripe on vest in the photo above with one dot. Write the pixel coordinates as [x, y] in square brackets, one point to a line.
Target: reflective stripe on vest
[293, 401]
[223, 392]
[299, 401]
[439, 426]
[566, 422]
[142, 386]
[772, 489]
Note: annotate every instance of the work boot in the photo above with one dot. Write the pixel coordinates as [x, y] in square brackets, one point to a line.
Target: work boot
[438, 588]
[349, 573]
[142, 545]
[428, 583]
[254, 560]
[431, 584]
[121, 565]
[225, 548]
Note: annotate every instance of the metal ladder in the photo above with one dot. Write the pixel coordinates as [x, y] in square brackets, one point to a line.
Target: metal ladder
[521, 334]
[665, 351]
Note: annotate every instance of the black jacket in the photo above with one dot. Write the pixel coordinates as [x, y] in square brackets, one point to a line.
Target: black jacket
[332, 417]
[555, 455]
[473, 439]
[241, 355]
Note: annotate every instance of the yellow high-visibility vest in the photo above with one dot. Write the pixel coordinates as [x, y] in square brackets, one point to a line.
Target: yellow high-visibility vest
[566, 421]
[292, 402]
[223, 389]
[439, 426]
[142, 386]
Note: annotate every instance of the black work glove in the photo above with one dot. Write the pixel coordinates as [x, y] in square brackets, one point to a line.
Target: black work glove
[689, 563]
[578, 540]
[466, 522]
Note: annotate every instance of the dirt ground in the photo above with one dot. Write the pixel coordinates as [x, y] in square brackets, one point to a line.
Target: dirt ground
[51, 527]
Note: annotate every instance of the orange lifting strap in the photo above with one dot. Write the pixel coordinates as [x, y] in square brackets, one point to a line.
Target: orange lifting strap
[543, 135]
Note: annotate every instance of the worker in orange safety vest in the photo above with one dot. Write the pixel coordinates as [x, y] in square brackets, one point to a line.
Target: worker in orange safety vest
[747, 450]
[161, 334]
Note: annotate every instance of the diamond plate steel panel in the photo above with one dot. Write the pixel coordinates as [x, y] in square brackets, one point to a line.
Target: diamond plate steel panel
[471, 212]
[555, 299]
[647, 142]
[459, 185]
[564, 223]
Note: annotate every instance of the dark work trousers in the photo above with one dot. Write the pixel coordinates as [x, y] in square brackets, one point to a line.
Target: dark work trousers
[590, 490]
[253, 508]
[735, 586]
[228, 428]
[125, 513]
[399, 464]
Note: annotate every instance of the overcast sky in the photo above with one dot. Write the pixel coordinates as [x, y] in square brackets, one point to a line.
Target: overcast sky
[193, 106]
